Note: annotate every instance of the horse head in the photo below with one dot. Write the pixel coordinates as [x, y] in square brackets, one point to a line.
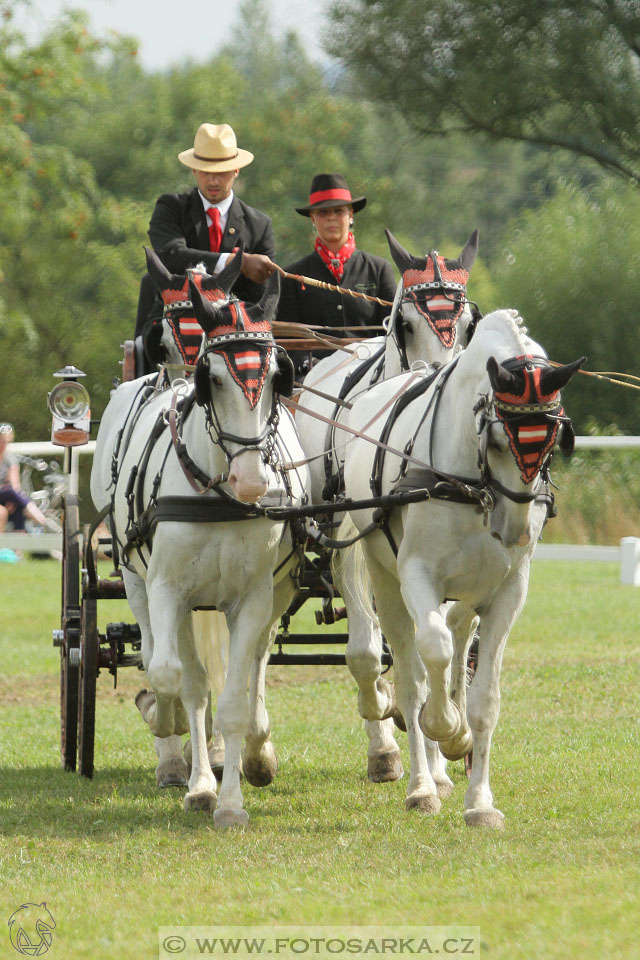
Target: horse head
[239, 374]
[430, 315]
[177, 335]
[520, 426]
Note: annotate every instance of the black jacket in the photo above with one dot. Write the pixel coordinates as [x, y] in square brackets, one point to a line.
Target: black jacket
[179, 234]
[363, 272]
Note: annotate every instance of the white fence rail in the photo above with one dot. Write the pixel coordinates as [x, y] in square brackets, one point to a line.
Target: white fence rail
[627, 554]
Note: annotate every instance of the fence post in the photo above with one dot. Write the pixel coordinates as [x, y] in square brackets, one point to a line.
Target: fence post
[630, 561]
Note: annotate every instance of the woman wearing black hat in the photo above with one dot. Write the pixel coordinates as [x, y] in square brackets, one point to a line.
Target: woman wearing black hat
[335, 260]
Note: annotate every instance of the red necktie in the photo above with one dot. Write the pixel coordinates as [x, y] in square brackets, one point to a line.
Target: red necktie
[215, 233]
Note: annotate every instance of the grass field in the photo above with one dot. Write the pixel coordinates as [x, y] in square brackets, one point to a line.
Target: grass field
[114, 858]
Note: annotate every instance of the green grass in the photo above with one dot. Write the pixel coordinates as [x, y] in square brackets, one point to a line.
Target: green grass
[115, 858]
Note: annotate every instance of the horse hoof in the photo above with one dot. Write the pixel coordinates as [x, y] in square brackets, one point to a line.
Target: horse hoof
[227, 819]
[457, 747]
[446, 732]
[144, 700]
[260, 770]
[205, 801]
[386, 686]
[172, 773]
[425, 804]
[444, 788]
[484, 817]
[384, 767]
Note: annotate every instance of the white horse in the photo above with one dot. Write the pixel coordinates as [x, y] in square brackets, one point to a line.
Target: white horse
[227, 436]
[429, 323]
[498, 405]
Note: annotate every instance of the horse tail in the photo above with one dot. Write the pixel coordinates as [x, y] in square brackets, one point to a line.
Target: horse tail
[211, 636]
[350, 572]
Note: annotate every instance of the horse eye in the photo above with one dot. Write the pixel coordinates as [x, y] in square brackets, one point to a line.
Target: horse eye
[216, 381]
[407, 327]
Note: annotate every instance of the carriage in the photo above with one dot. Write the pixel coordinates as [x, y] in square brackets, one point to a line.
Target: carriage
[85, 651]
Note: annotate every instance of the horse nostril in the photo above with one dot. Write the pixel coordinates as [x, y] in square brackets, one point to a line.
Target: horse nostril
[496, 535]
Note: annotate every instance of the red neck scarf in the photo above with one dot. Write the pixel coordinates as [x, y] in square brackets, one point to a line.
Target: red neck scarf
[335, 261]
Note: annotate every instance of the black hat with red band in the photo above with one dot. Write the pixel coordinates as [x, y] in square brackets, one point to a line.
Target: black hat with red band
[330, 190]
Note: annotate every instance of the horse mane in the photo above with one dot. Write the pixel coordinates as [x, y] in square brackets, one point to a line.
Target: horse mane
[506, 323]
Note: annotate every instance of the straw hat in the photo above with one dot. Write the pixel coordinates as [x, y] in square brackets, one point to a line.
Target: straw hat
[330, 190]
[215, 150]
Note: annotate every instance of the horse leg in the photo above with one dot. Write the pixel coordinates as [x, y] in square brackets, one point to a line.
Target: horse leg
[376, 696]
[440, 717]
[259, 761]
[438, 769]
[409, 683]
[462, 621]
[166, 716]
[171, 769]
[195, 695]
[483, 700]
[384, 762]
[245, 625]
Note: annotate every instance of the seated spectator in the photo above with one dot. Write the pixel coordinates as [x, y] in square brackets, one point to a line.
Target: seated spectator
[14, 505]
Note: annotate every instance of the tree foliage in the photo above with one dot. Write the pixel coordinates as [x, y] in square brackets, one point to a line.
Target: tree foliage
[88, 140]
[552, 73]
[572, 268]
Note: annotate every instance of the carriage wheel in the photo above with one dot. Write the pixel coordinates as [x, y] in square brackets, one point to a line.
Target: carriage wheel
[88, 674]
[89, 652]
[70, 623]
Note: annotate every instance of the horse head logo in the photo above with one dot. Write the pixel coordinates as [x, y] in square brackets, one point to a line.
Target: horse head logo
[30, 929]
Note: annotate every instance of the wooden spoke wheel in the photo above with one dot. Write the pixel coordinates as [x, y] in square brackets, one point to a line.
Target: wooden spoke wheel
[88, 674]
[70, 633]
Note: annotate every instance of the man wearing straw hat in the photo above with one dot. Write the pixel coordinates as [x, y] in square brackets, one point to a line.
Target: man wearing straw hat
[208, 222]
[337, 261]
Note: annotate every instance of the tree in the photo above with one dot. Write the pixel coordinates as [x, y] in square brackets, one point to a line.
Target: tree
[68, 289]
[552, 73]
[572, 269]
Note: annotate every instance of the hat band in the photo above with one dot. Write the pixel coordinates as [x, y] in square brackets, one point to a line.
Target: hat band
[215, 159]
[335, 194]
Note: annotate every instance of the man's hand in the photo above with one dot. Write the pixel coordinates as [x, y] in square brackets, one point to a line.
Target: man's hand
[257, 267]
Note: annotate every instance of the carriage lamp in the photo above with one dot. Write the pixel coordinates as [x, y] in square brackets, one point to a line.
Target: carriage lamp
[69, 404]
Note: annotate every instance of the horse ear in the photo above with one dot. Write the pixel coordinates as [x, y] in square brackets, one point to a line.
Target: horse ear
[205, 311]
[469, 253]
[283, 380]
[229, 273]
[558, 377]
[159, 273]
[401, 257]
[501, 380]
[266, 307]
